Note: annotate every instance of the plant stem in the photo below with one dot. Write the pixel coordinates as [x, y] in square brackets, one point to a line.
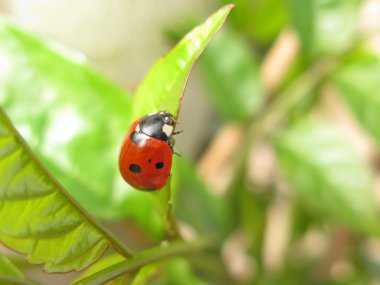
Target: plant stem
[140, 260]
[164, 200]
[173, 232]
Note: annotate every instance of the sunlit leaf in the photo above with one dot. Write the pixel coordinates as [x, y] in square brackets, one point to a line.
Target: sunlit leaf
[231, 74]
[71, 116]
[162, 88]
[75, 121]
[359, 83]
[328, 175]
[37, 217]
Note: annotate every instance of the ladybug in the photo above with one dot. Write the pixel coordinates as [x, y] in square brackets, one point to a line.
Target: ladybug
[146, 154]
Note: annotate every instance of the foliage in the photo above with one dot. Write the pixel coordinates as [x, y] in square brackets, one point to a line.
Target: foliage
[294, 177]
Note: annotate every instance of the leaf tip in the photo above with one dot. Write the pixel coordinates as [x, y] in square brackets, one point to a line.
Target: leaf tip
[226, 9]
[230, 6]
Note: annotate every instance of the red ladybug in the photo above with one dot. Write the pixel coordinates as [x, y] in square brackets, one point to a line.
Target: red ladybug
[146, 154]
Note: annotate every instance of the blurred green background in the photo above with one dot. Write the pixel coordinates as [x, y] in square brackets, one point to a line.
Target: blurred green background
[281, 120]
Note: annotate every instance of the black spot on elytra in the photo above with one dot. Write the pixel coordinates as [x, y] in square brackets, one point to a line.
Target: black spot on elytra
[159, 165]
[135, 168]
[150, 160]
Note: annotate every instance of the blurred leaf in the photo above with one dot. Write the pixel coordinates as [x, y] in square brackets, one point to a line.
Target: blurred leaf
[252, 17]
[328, 175]
[179, 272]
[249, 207]
[10, 275]
[68, 113]
[325, 26]
[210, 265]
[232, 75]
[359, 83]
[302, 220]
[195, 204]
[303, 19]
[145, 274]
[253, 222]
[37, 216]
[162, 88]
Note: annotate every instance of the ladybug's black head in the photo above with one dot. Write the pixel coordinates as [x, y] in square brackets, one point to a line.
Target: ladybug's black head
[159, 125]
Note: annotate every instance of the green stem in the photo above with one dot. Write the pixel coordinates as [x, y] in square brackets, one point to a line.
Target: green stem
[164, 199]
[173, 232]
[140, 260]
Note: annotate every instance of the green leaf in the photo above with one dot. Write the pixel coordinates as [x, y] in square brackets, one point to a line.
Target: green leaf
[178, 271]
[10, 275]
[251, 17]
[67, 113]
[328, 175]
[231, 74]
[358, 81]
[163, 87]
[76, 125]
[145, 274]
[77, 114]
[38, 217]
[8, 269]
[303, 18]
[195, 204]
[325, 26]
[102, 264]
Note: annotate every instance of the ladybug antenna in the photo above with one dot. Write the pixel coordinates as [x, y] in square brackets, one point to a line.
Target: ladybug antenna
[177, 133]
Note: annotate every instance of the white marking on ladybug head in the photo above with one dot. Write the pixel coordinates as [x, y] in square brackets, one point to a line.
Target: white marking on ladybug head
[167, 129]
[137, 129]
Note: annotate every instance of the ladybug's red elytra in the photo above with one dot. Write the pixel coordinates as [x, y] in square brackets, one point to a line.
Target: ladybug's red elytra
[146, 155]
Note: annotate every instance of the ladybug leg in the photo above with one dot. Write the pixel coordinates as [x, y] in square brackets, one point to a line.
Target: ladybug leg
[177, 133]
[171, 144]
